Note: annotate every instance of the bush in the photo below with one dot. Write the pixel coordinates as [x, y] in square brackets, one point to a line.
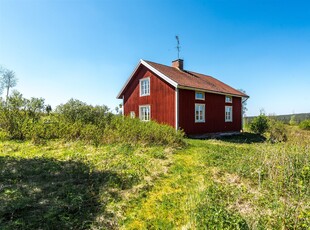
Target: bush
[277, 131]
[133, 131]
[3, 135]
[305, 124]
[259, 125]
[293, 120]
[24, 119]
[78, 111]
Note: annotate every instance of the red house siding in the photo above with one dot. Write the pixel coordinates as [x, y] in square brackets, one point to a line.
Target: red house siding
[214, 113]
[161, 98]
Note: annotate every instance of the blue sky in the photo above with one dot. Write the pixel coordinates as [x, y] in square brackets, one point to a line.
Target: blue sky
[64, 49]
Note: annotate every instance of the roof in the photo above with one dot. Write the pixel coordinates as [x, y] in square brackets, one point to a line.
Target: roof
[186, 79]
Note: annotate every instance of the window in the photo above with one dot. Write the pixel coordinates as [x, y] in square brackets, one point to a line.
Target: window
[132, 114]
[145, 112]
[228, 99]
[228, 113]
[199, 113]
[199, 95]
[145, 87]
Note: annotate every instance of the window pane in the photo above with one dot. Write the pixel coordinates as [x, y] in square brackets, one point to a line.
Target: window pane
[228, 99]
[145, 114]
[199, 95]
[199, 112]
[145, 87]
[228, 113]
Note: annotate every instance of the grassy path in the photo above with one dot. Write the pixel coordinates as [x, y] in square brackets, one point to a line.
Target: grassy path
[173, 200]
[222, 185]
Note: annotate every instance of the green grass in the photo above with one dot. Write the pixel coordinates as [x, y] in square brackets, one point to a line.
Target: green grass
[72, 185]
[236, 183]
[239, 182]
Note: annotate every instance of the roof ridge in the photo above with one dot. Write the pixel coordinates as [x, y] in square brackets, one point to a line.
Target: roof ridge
[171, 67]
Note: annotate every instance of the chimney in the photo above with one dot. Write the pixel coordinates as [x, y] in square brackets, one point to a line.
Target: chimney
[178, 64]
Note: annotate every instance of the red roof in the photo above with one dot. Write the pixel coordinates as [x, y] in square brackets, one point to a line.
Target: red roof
[195, 80]
[188, 79]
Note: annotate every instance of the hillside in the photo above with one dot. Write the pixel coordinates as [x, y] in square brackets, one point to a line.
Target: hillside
[299, 117]
[232, 183]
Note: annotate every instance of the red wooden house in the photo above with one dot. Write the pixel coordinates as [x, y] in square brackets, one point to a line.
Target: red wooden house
[194, 102]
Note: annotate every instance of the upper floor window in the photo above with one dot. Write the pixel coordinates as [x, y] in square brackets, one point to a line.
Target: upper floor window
[145, 112]
[228, 113]
[199, 113]
[144, 86]
[199, 95]
[228, 99]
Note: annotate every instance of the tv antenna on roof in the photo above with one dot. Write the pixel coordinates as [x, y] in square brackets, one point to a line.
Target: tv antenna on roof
[178, 45]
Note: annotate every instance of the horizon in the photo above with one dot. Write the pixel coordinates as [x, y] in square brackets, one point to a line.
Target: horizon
[86, 50]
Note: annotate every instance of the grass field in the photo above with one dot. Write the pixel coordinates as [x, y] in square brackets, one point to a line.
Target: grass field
[235, 183]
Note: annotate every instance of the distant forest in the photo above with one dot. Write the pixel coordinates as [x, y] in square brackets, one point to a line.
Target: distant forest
[285, 118]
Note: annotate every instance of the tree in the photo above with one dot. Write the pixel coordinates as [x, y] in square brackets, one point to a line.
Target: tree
[259, 125]
[48, 109]
[244, 103]
[8, 81]
[293, 120]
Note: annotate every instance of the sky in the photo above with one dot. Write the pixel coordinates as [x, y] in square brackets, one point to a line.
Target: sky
[87, 49]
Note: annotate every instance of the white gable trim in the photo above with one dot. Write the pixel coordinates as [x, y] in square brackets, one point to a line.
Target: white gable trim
[128, 80]
[161, 75]
[164, 77]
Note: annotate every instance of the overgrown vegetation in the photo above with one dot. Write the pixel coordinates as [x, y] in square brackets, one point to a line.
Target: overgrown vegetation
[222, 184]
[31, 119]
[305, 124]
[259, 125]
[82, 167]
[275, 130]
[237, 182]
[70, 185]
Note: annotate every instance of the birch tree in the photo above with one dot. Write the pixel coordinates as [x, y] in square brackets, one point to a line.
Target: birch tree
[8, 81]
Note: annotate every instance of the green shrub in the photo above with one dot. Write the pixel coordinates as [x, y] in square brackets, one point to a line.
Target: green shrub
[277, 131]
[212, 213]
[24, 119]
[305, 124]
[3, 135]
[293, 120]
[78, 111]
[259, 125]
[133, 131]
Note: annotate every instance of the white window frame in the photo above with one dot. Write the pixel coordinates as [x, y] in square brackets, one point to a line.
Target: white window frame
[144, 92]
[197, 98]
[132, 114]
[144, 117]
[228, 113]
[228, 99]
[201, 117]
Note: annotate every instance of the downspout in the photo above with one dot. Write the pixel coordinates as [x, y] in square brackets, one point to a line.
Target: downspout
[176, 109]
